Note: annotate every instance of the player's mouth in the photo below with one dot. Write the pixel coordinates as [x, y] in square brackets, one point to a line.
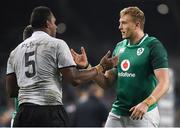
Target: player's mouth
[122, 32]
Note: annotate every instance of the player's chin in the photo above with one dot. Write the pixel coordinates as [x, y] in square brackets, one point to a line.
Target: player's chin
[124, 37]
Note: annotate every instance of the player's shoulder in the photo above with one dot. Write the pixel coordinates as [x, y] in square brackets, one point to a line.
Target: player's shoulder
[122, 43]
[58, 44]
[58, 41]
[12, 53]
[151, 40]
[155, 44]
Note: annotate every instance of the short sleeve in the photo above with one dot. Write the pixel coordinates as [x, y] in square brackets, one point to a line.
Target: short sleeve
[120, 47]
[64, 56]
[158, 55]
[115, 51]
[10, 68]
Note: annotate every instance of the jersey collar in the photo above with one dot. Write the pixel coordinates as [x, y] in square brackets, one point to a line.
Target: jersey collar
[128, 43]
[37, 33]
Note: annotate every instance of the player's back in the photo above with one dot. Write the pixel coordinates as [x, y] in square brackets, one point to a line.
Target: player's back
[36, 67]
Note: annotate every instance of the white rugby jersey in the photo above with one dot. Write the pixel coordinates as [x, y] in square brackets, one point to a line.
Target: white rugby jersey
[36, 62]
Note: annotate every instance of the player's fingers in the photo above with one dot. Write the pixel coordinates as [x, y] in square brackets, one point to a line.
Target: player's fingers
[115, 60]
[107, 54]
[141, 115]
[135, 115]
[132, 108]
[73, 52]
[138, 115]
[83, 51]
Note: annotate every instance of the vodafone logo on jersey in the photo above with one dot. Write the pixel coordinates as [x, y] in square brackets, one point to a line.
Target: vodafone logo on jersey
[125, 64]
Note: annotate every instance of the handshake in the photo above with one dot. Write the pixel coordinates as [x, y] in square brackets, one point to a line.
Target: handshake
[106, 62]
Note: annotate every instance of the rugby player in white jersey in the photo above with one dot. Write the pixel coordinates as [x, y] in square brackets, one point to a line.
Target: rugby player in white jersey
[37, 66]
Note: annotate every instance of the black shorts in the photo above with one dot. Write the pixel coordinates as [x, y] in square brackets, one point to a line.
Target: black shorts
[33, 115]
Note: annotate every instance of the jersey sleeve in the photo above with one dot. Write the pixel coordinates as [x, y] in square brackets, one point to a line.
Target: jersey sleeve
[120, 47]
[10, 68]
[116, 50]
[64, 56]
[158, 55]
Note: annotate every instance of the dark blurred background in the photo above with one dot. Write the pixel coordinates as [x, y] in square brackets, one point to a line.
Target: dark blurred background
[94, 25]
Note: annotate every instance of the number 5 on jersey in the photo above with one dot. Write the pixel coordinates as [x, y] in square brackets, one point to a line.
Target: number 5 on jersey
[30, 64]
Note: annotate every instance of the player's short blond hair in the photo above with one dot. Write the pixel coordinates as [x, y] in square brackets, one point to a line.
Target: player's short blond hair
[136, 14]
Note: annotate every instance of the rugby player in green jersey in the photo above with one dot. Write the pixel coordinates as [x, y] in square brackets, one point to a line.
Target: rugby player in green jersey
[141, 77]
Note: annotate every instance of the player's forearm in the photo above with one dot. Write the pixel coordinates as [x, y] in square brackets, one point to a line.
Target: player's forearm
[102, 81]
[158, 92]
[161, 88]
[83, 76]
[106, 80]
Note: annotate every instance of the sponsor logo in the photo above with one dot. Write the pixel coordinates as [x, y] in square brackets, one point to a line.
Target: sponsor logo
[140, 51]
[125, 64]
[125, 74]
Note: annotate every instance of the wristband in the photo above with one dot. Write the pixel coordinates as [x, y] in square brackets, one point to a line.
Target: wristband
[150, 100]
[99, 68]
[88, 66]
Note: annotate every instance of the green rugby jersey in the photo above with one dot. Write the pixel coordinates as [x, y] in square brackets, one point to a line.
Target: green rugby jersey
[136, 79]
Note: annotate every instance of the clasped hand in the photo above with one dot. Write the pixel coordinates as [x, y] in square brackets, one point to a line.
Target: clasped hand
[106, 62]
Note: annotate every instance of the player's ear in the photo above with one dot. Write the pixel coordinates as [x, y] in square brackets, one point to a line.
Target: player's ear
[47, 23]
[137, 23]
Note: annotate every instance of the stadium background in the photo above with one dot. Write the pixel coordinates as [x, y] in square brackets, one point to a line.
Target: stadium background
[94, 25]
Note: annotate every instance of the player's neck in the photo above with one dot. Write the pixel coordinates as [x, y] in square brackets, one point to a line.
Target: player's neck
[137, 37]
[43, 29]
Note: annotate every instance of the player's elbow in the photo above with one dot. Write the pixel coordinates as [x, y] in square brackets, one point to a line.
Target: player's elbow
[167, 85]
[76, 82]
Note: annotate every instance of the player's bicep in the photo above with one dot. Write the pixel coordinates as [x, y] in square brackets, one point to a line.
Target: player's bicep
[64, 56]
[67, 72]
[158, 56]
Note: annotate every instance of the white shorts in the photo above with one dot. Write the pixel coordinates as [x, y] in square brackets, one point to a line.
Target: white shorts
[150, 119]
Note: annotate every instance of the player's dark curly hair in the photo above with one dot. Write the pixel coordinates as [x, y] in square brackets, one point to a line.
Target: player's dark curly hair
[39, 17]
